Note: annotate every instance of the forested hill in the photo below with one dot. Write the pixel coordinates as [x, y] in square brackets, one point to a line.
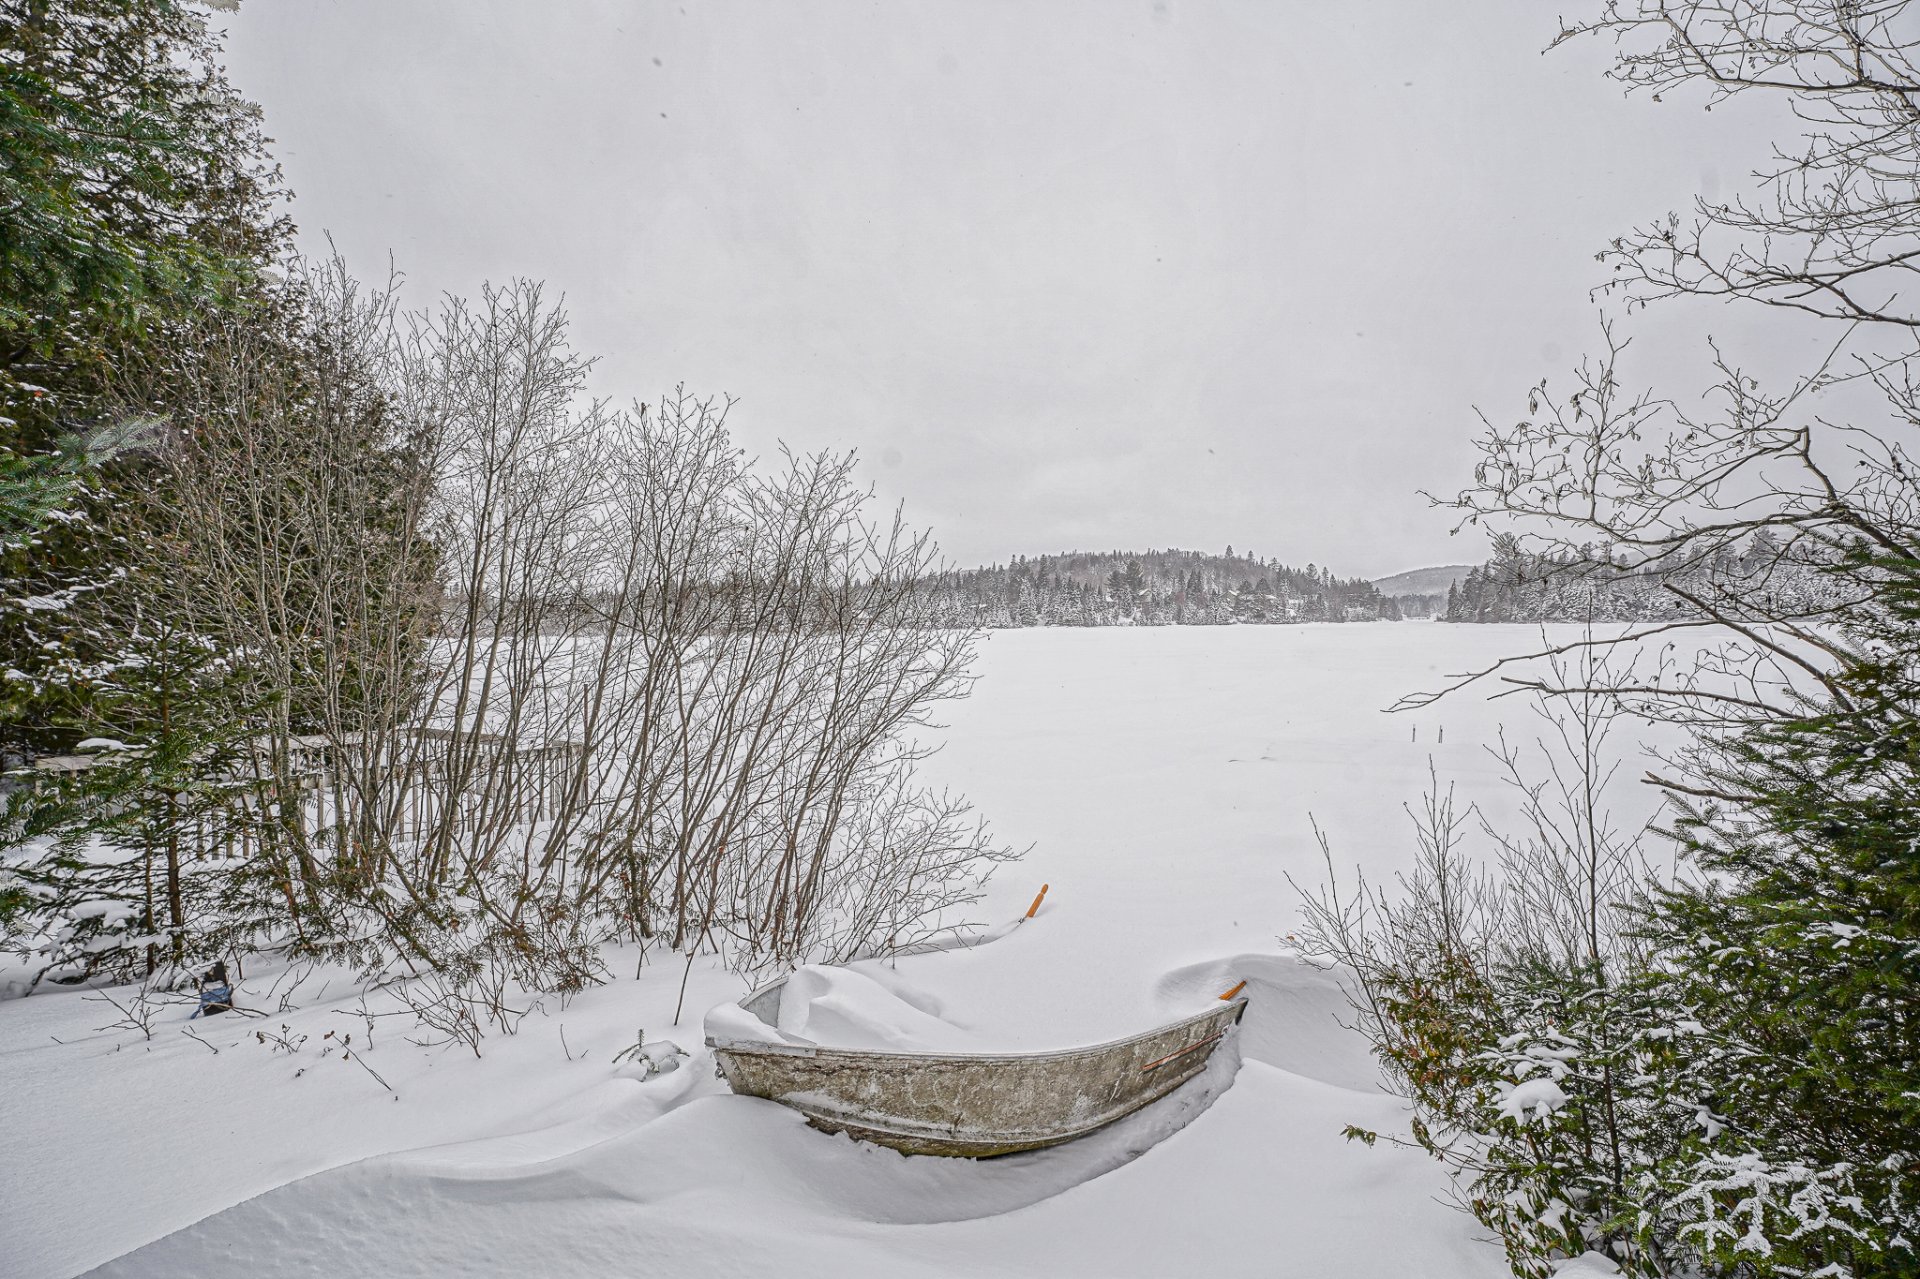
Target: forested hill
[1153, 588]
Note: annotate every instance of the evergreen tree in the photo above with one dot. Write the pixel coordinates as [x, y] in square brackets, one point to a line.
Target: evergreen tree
[135, 196]
[136, 187]
[1794, 964]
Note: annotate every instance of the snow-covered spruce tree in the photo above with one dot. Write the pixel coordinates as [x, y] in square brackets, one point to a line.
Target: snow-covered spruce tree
[108, 233]
[135, 191]
[146, 849]
[1791, 971]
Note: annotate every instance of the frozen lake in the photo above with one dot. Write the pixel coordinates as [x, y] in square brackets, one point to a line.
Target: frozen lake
[1166, 775]
[1165, 779]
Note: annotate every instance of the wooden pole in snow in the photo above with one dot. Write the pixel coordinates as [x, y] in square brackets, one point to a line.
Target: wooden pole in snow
[1042, 896]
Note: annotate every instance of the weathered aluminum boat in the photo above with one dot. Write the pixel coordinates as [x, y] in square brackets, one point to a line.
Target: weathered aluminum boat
[969, 1104]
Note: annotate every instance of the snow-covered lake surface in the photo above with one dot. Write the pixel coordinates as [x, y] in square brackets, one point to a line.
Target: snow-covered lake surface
[1165, 780]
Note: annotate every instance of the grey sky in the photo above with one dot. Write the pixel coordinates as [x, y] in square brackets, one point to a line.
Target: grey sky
[1067, 275]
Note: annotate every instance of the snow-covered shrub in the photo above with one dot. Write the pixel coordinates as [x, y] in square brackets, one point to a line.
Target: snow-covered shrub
[1501, 1003]
[1574, 1129]
[434, 668]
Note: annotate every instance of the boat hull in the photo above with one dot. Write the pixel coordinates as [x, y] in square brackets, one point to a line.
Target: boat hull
[971, 1105]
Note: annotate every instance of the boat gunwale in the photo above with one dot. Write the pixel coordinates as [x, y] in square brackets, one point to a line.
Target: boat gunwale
[909, 1056]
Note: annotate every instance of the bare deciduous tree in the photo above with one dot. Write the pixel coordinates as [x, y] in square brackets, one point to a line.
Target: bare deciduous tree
[517, 673]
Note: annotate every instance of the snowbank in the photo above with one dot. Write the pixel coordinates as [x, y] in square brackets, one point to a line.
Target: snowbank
[1165, 778]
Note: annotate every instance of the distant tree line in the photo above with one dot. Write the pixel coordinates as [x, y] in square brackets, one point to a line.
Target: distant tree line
[1592, 583]
[1422, 606]
[1152, 588]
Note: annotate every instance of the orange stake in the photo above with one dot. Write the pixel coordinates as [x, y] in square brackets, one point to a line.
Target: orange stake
[1033, 909]
[1236, 990]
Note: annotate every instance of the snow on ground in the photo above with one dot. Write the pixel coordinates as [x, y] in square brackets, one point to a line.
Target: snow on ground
[1165, 779]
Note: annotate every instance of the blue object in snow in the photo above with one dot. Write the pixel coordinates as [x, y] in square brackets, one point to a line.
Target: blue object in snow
[214, 999]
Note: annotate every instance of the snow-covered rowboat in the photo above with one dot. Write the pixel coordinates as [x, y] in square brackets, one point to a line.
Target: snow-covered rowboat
[969, 1104]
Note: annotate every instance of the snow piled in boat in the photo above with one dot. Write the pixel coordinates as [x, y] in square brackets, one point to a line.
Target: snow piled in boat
[873, 1006]
[848, 1008]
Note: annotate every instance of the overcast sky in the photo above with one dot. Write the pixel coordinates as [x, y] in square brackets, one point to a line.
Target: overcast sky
[1066, 275]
